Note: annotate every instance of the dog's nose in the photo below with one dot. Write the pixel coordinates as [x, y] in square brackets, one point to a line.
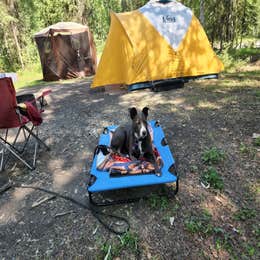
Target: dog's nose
[144, 133]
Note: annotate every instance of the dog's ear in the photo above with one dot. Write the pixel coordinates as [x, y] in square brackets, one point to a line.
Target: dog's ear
[145, 111]
[133, 112]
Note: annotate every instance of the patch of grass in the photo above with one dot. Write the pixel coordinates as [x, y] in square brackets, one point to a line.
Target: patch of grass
[156, 257]
[211, 177]
[212, 156]
[250, 250]
[203, 255]
[230, 61]
[257, 92]
[242, 77]
[219, 244]
[218, 230]
[194, 168]
[224, 243]
[199, 224]
[106, 251]
[247, 150]
[244, 149]
[30, 76]
[243, 53]
[175, 208]
[171, 212]
[257, 141]
[256, 230]
[193, 225]
[245, 214]
[128, 241]
[158, 202]
[237, 58]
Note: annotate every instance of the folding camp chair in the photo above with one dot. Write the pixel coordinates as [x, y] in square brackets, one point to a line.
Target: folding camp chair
[24, 117]
[101, 181]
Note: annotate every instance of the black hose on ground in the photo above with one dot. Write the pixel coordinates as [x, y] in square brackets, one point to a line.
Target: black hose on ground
[96, 213]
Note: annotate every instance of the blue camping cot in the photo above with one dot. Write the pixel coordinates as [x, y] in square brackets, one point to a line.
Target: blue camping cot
[101, 181]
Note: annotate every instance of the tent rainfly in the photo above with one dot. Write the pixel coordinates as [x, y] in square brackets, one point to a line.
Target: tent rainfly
[161, 40]
[66, 51]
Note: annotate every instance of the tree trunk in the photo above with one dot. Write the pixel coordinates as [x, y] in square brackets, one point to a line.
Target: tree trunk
[5, 42]
[124, 5]
[212, 39]
[202, 17]
[81, 11]
[221, 40]
[11, 4]
[14, 29]
[243, 24]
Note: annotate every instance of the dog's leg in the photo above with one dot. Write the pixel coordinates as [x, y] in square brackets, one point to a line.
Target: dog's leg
[158, 171]
[150, 156]
[130, 148]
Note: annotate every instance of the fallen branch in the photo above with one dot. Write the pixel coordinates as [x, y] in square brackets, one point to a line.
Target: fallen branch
[38, 203]
[63, 213]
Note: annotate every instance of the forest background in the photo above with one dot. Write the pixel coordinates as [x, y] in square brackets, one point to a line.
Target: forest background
[232, 26]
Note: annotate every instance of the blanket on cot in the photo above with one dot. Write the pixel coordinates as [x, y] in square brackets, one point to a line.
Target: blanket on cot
[122, 165]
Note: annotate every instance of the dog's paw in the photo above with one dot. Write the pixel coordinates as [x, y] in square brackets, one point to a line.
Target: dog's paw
[158, 173]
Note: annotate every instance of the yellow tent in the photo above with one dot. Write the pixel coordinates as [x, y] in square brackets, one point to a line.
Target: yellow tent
[157, 41]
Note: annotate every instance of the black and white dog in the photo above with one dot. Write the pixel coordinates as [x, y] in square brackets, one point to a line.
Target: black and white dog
[135, 139]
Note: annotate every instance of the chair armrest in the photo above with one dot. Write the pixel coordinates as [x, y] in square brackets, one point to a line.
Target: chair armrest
[42, 99]
[21, 106]
[20, 110]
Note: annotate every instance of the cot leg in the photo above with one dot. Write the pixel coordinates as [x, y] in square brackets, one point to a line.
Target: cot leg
[110, 203]
[90, 198]
[94, 202]
[177, 186]
[104, 203]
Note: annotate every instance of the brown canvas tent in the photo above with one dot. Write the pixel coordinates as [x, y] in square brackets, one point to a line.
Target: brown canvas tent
[67, 50]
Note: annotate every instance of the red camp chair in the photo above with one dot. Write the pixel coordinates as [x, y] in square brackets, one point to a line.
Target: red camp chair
[24, 116]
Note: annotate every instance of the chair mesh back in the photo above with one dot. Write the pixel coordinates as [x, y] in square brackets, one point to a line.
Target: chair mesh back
[8, 116]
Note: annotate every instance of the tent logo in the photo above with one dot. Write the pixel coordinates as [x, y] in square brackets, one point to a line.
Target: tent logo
[168, 19]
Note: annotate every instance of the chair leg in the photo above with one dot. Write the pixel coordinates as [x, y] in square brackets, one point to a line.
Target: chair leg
[15, 140]
[36, 137]
[38, 141]
[2, 159]
[3, 151]
[7, 147]
[177, 186]
[17, 152]
[13, 147]
[35, 147]
[26, 138]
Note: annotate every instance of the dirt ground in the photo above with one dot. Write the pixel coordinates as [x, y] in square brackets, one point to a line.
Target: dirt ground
[199, 223]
